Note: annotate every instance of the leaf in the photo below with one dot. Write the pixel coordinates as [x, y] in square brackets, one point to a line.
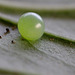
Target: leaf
[52, 54]
[60, 28]
[43, 57]
[48, 8]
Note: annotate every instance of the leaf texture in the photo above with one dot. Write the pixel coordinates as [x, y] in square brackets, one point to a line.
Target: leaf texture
[52, 54]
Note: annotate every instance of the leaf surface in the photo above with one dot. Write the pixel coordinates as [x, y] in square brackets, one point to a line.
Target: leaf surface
[52, 54]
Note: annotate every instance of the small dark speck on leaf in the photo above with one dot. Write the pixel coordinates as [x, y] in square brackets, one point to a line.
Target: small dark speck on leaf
[23, 39]
[14, 27]
[51, 39]
[7, 31]
[41, 38]
[0, 37]
[12, 42]
[70, 44]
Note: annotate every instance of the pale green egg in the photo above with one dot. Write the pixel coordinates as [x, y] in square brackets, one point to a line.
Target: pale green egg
[31, 26]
